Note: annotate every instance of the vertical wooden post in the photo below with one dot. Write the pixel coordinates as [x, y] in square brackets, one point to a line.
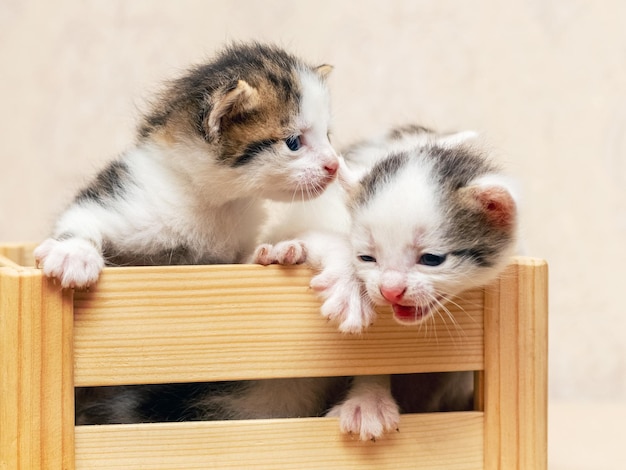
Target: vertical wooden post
[515, 375]
[36, 367]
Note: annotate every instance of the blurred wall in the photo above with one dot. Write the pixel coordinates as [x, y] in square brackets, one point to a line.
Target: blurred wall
[543, 80]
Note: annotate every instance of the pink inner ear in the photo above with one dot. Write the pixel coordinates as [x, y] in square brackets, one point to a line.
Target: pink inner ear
[497, 203]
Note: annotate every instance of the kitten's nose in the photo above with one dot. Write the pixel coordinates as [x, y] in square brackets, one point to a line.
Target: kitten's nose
[393, 294]
[331, 167]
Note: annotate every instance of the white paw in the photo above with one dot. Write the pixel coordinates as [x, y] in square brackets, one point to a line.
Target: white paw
[344, 301]
[286, 253]
[368, 415]
[75, 262]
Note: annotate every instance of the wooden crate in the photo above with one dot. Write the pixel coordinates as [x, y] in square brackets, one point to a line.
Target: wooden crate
[204, 323]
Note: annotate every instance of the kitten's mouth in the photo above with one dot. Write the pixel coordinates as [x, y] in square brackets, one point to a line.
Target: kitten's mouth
[409, 315]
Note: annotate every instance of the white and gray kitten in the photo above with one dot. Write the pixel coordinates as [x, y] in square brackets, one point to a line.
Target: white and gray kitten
[250, 125]
[427, 217]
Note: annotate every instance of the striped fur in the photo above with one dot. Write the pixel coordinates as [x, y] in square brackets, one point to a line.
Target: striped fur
[430, 219]
[217, 141]
[425, 217]
[250, 125]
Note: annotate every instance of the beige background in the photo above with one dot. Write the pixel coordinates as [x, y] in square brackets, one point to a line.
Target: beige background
[543, 80]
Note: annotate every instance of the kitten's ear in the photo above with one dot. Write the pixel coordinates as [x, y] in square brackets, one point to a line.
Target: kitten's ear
[494, 200]
[456, 139]
[348, 179]
[323, 71]
[240, 99]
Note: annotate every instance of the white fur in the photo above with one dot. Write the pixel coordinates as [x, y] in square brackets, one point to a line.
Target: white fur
[275, 398]
[75, 262]
[344, 302]
[327, 249]
[382, 146]
[398, 225]
[457, 138]
[312, 125]
[286, 253]
[314, 110]
[166, 209]
[182, 196]
[327, 212]
[179, 195]
[388, 226]
[397, 238]
[369, 410]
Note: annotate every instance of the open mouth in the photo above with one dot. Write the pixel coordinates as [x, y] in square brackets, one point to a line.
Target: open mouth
[411, 314]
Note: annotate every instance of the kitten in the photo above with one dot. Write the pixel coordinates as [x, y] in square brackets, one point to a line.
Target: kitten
[252, 124]
[429, 216]
[207, 401]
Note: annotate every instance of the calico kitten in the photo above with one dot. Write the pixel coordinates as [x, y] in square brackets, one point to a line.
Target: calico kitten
[429, 216]
[250, 125]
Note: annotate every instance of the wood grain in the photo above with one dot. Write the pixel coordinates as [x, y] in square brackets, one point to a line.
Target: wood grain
[36, 390]
[17, 255]
[515, 376]
[189, 323]
[192, 323]
[442, 441]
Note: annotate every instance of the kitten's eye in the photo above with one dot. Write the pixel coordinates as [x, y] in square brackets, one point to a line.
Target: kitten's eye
[429, 259]
[293, 143]
[367, 258]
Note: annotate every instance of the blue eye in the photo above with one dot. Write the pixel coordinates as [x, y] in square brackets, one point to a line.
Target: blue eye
[293, 143]
[428, 259]
[367, 259]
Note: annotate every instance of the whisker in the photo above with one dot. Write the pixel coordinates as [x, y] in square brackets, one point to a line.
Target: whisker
[447, 298]
[431, 319]
[443, 320]
[461, 334]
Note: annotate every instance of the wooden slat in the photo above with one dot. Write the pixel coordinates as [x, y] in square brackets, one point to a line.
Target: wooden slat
[441, 441]
[6, 262]
[36, 390]
[515, 376]
[17, 254]
[141, 325]
[202, 323]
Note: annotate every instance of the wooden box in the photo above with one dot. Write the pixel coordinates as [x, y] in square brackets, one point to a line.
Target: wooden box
[207, 323]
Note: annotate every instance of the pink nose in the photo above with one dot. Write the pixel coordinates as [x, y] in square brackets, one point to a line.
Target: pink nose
[393, 294]
[331, 167]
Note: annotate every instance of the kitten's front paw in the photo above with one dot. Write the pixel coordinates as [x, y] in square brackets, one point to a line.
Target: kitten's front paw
[368, 415]
[344, 301]
[287, 253]
[75, 262]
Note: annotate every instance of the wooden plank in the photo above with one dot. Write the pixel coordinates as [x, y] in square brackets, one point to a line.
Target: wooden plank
[203, 323]
[36, 404]
[132, 312]
[7, 262]
[515, 375]
[10, 369]
[438, 441]
[57, 374]
[17, 254]
[533, 365]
